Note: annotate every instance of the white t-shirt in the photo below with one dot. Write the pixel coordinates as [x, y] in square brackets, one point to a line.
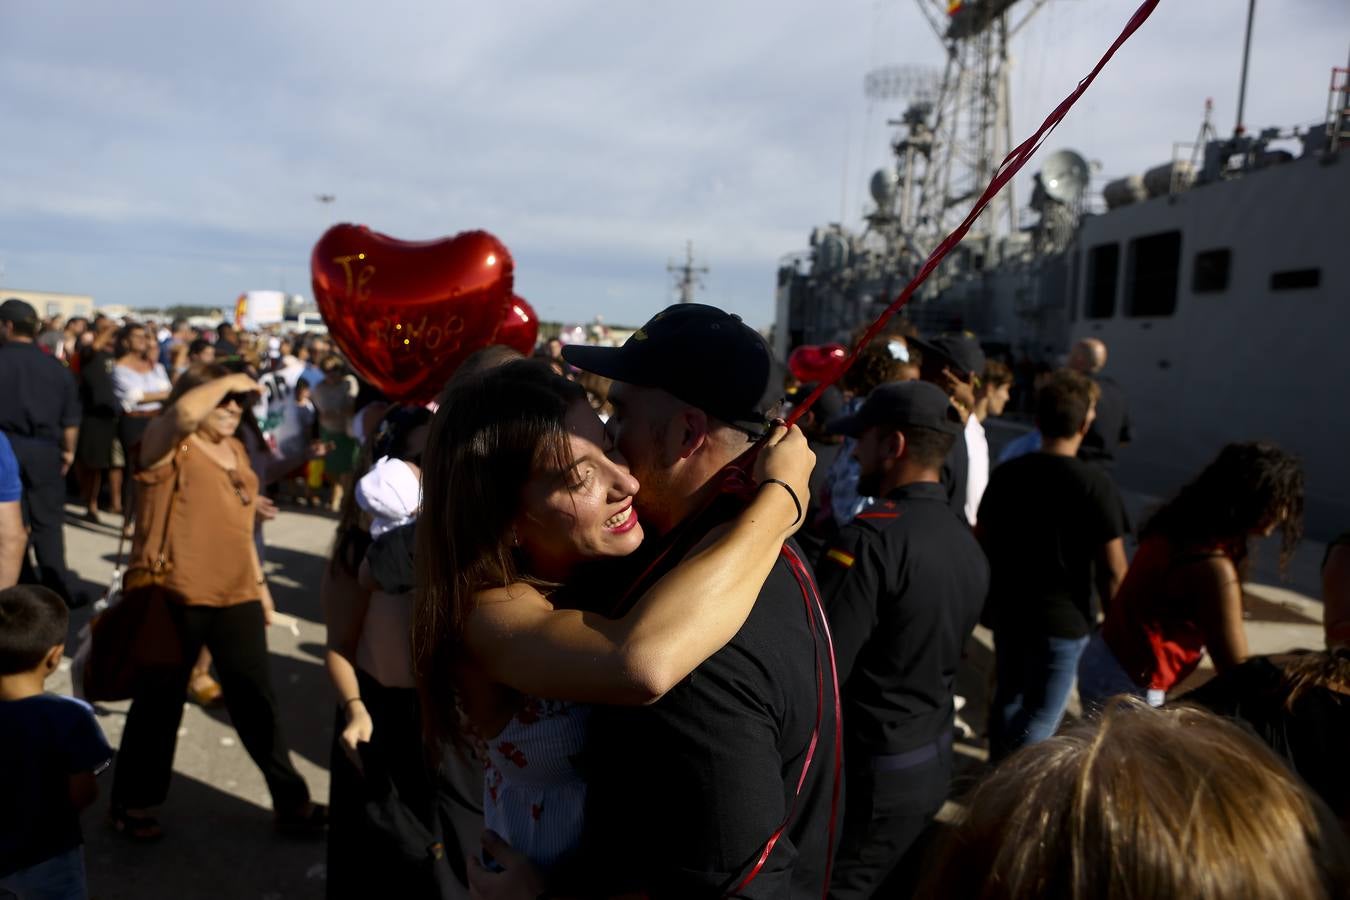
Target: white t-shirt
[977, 478]
[130, 387]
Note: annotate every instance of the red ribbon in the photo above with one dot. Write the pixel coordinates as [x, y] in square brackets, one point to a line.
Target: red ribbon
[815, 610]
[1010, 166]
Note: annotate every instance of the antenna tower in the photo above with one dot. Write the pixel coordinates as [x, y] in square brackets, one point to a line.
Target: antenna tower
[957, 135]
[687, 276]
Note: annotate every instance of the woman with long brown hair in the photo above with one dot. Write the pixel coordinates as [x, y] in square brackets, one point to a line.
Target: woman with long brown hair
[194, 531]
[1182, 594]
[523, 489]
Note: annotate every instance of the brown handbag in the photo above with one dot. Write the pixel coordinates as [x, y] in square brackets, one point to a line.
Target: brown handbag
[139, 634]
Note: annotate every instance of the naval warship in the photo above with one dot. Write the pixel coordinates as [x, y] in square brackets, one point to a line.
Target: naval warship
[1219, 280]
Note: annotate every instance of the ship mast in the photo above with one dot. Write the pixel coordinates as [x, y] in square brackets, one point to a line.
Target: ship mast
[687, 275]
[971, 119]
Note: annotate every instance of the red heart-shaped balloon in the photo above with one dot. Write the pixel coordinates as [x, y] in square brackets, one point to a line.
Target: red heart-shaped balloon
[520, 326]
[407, 313]
[816, 362]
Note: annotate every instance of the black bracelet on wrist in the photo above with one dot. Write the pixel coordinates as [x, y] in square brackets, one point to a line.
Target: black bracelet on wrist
[349, 701]
[791, 493]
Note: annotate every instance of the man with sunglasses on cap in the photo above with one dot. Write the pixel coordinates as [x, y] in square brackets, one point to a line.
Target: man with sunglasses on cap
[687, 795]
[40, 414]
[904, 584]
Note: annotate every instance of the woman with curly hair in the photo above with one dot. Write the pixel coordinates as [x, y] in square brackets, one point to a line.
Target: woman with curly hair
[1182, 595]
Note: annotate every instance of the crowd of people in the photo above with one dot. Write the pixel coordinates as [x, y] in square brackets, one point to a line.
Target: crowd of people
[601, 624]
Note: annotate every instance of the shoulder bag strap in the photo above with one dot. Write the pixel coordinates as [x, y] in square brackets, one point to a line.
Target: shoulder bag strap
[161, 559]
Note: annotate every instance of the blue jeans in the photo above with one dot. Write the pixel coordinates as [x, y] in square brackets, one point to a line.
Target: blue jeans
[58, 878]
[1035, 675]
[1101, 676]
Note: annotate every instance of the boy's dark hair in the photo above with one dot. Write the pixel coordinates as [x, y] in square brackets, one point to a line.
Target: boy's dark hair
[197, 346]
[996, 373]
[1062, 403]
[33, 620]
[927, 446]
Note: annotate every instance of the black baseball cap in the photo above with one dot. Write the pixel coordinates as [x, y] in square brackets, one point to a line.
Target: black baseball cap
[897, 404]
[960, 352]
[705, 356]
[15, 310]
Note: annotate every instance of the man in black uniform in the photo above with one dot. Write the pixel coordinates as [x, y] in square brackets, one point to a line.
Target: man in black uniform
[904, 584]
[40, 414]
[954, 362]
[1110, 429]
[698, 794]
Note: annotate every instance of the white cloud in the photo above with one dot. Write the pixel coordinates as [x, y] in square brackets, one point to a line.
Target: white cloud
[593, 137]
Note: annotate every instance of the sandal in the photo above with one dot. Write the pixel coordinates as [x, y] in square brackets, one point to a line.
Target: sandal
[139, 828]
[204, 690]
[310, 821]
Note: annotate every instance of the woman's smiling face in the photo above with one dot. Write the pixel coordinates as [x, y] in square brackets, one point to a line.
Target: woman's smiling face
[579, 507]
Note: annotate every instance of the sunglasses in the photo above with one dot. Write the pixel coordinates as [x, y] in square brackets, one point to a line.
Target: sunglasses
[241, 399]
[238, 484]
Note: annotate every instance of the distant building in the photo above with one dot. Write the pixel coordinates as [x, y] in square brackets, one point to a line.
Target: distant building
[50, 303]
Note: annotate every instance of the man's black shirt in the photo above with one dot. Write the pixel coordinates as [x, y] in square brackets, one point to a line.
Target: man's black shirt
[38, 395]
[1043, 520]
[1110, 428]
[684, 794]
[97, 396]
[904, 584]
[955, 475]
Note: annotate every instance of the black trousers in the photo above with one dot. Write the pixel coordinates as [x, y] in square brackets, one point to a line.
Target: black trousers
[130, 430]
[44, 509]
[371, 852]
[885, 815]
[237, 640]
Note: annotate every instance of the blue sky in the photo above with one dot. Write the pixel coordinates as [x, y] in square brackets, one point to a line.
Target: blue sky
[158, 153]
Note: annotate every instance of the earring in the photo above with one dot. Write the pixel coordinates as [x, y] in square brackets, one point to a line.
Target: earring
[515, 539]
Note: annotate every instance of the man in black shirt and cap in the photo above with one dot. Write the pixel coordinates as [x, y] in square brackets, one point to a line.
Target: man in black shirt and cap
[904, 584]
[954, 362]
[724, 786]
[40, 414]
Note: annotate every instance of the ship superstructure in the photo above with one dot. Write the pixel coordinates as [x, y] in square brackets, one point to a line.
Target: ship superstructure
[1219, 281]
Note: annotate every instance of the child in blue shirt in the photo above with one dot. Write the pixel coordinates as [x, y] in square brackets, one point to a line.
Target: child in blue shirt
[51, 751]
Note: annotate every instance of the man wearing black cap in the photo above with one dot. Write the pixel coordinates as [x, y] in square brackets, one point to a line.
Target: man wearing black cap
[954, 362]
[40, 414]
[904, 584]
[724, 786]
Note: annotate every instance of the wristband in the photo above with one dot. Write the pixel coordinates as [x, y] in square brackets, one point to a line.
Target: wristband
[349, 701]
[791, 493]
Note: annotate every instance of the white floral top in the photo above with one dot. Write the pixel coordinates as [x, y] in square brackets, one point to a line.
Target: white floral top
[533, 794]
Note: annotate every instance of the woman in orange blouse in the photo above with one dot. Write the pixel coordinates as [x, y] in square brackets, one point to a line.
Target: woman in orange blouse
[197, 503]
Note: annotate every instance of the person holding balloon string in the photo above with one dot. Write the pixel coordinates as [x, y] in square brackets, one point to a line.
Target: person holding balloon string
[523, 491]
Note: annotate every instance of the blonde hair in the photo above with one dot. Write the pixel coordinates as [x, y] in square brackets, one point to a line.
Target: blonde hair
[1170, 802]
